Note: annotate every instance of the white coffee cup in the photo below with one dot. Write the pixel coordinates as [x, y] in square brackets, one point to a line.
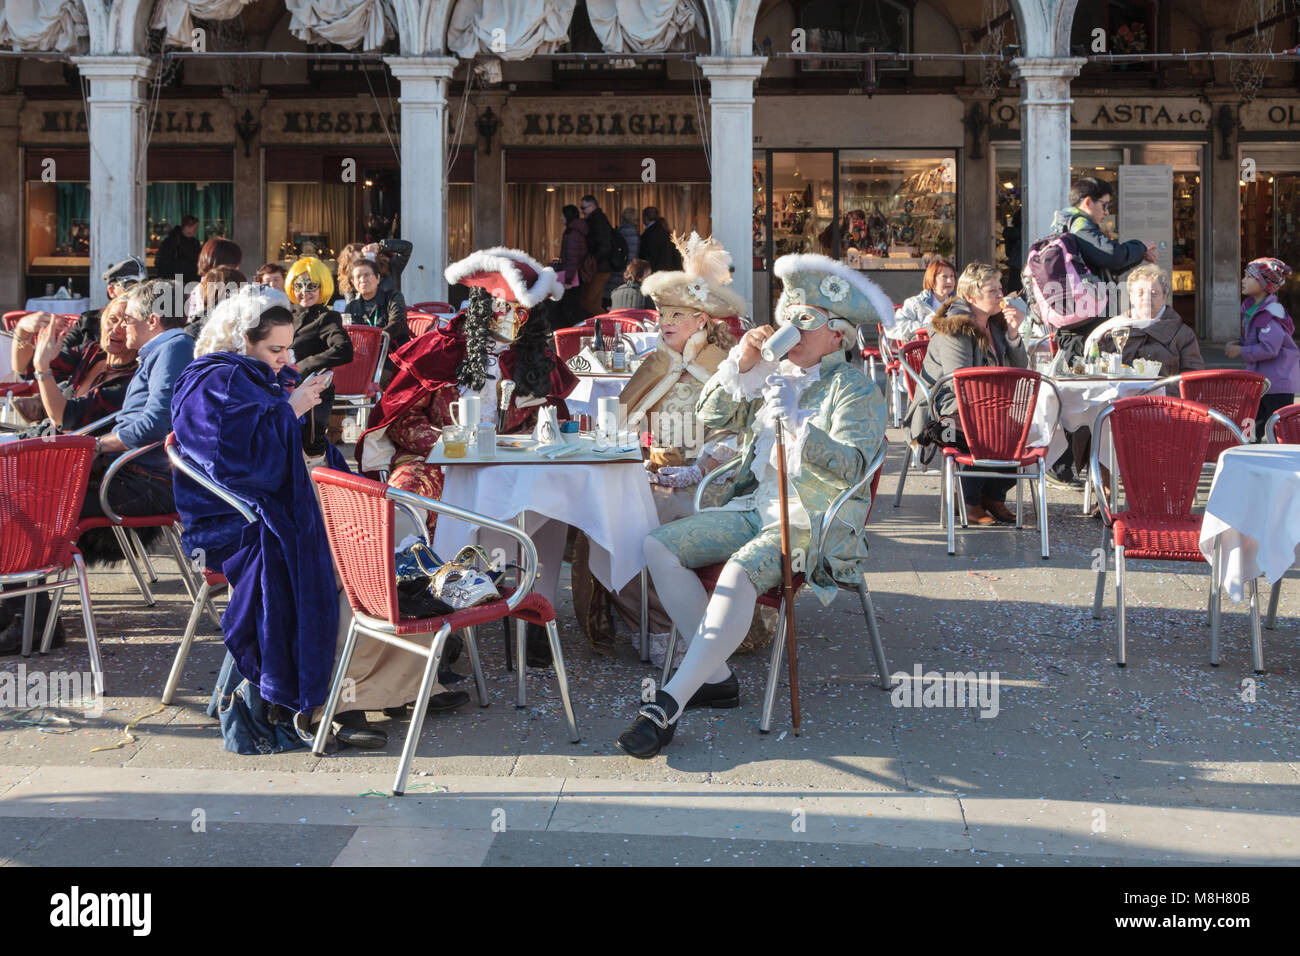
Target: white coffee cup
[467, 410]
[779, 345]
[607, 415]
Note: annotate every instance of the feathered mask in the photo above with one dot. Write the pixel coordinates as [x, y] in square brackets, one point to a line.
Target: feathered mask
[702, 285]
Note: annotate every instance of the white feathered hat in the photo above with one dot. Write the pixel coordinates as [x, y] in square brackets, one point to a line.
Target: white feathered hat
[507, 274]
[702, 285]
[813, 279]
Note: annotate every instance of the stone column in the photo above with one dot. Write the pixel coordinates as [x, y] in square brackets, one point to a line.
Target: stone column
[424, 181]
[731, 144]
[977, 241]
[1222, 293]
[1044, 138]
[12, 293]
[117, 161]
[489, 173]
[250, 198]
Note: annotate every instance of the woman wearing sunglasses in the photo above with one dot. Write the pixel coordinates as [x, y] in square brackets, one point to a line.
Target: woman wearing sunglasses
[320, 341]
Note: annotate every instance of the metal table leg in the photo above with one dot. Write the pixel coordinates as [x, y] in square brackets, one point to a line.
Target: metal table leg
[645, 615]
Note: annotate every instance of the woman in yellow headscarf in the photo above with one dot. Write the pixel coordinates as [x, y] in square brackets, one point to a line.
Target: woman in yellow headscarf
[319, 340]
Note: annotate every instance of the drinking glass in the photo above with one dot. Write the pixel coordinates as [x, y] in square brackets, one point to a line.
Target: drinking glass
[455, 440]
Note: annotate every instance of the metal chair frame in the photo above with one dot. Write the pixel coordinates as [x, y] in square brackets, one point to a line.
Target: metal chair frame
[1108, 516]
[814, 561]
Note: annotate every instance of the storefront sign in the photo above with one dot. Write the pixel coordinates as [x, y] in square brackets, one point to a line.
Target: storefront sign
[1146, 208]
[358, 121]
[602, 122]
[1271, 115]
[1118, 113]
[185, 121]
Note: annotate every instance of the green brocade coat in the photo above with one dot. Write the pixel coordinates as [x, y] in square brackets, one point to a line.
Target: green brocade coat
[843, 437]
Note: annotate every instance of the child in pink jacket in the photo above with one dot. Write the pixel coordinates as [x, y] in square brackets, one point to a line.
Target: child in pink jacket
[1266, 337]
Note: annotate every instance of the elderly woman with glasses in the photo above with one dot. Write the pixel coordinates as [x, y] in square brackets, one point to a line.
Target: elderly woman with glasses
[975, 328]
[320, 341]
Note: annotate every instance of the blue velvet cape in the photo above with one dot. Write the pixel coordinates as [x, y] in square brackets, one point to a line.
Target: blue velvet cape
[232, 419]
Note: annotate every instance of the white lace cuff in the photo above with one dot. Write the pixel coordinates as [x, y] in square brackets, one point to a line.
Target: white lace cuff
[796, 436]
[744, 386]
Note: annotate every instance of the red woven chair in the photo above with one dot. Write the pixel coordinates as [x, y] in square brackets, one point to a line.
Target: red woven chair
[359, 521]
[870, 354]
[910, 358]
[11, 319]
[433, 307]
[1283, 428]
[214, 582]
[356, 385]
[42, 485]
[1160, 444]
[995, 406]
[568, 342]
[775, 598]
[647, 317]
[1234, 392]
[420, 322]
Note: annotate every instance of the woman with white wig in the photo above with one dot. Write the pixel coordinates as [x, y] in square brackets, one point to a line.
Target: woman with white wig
[235, 419]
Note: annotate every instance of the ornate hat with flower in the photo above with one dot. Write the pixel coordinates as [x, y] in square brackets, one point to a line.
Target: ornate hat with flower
[702, 285]
[507, 274]
[812, 279]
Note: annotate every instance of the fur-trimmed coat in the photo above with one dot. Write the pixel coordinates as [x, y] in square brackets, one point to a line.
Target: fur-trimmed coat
[956, 341]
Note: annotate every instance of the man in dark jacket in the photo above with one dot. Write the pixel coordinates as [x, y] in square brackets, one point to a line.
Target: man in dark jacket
[1090, 203]
[179, 252]
[657, 243]
[600, 245]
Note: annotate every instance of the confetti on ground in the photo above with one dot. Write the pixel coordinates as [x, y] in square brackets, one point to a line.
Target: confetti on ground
[127, 736]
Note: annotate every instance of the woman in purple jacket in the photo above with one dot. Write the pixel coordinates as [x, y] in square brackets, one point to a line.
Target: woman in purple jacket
[1266, 336]
[573, 250]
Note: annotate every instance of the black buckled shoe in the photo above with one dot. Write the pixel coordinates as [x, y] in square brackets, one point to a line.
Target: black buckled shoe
[723, 694]
[442, 703]
[539, 646]
[354, 731]
[651, 731]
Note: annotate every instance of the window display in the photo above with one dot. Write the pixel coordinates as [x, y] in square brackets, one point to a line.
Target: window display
[896, 210]
[803, 196]
[167, 202]
[58, 225]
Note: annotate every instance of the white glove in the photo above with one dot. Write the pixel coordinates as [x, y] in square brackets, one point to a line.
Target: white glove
[781, 398]
[676, 476]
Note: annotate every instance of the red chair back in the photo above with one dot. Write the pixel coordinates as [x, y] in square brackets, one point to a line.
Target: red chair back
[913, 353]
[568, 342]
[1287, 429]
[359, 524]
[641, 315]
[433, 307]
[358, 376]
[1234, 392]
[609, 324]
[11, 319]
[1160, 445]
[42, 485]
[419, 322]
[996, 408]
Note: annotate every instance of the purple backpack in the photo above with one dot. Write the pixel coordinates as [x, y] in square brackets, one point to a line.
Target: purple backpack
[1064, 291]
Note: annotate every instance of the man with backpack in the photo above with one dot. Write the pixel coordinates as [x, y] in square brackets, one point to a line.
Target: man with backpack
[607, 253]
[1106, 260]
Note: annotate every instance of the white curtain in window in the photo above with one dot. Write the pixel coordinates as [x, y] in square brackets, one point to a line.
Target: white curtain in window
[174, 16]
[344, 22]
[41, 24]
[644, 26]
[508, 29]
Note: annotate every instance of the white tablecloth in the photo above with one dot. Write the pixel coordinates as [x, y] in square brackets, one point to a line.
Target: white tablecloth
[1254, 511]
[58, 306]
[582, 400]
[1082, 401]
[611, 503]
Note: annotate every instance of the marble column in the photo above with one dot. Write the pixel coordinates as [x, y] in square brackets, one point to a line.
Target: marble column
[731, 145]
[12, 293]
[117, 161]
[1222, 203]
[1044, 138]
[424, 181]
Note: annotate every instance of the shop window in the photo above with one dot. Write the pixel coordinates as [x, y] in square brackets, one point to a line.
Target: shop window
[308, 219]
[855, 26]
[166, 203]
[1187, 223]
[896, 210]
[1128, 26]
[1270, 226]
[803, 203]
[1008, 229]
[460, 220]
[58, 226]
[760, 211]
[535, 218]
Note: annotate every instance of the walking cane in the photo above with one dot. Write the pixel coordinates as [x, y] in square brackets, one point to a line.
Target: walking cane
[791, 649]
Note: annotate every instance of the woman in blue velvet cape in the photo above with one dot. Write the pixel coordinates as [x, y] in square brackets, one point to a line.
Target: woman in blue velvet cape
[233, 418]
